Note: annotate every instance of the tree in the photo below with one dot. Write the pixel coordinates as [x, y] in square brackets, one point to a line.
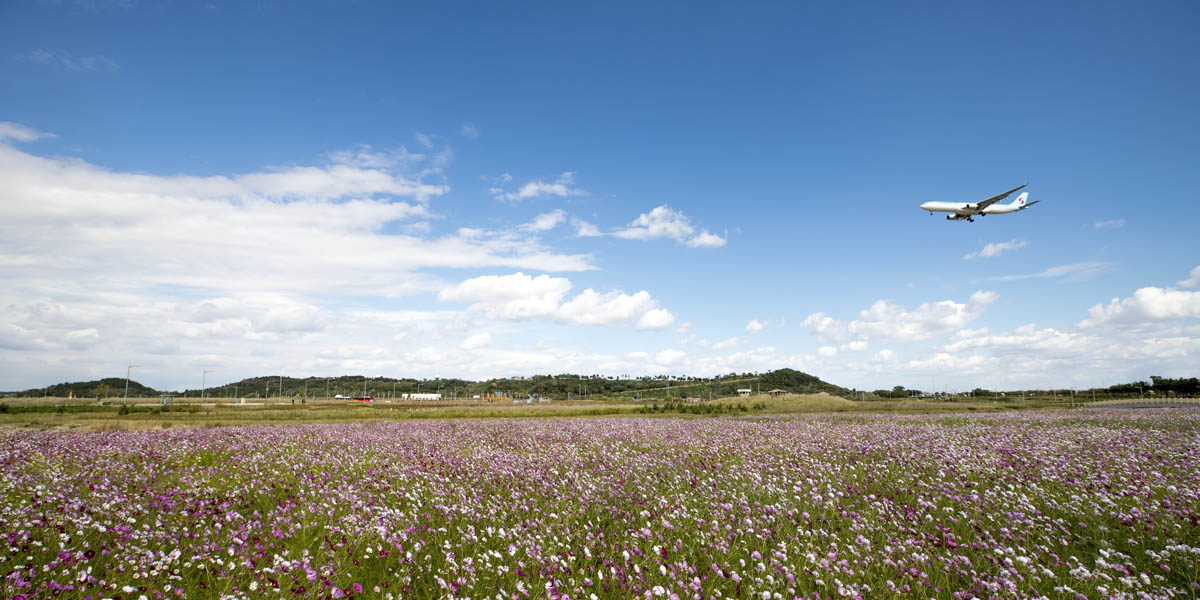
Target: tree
[102, 391]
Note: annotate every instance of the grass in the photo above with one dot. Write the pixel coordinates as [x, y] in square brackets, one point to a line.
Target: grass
[149, 413]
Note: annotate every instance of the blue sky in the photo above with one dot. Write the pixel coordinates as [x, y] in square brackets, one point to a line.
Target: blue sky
[451, 189]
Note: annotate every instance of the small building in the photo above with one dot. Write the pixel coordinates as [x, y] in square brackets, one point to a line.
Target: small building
[744, 391]
[775, 393]
[421, 396]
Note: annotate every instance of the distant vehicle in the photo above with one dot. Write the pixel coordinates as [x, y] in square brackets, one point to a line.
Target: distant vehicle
[364, 398]
[963, 211]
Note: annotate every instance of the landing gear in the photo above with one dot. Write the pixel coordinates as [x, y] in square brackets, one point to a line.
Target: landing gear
[970, 220]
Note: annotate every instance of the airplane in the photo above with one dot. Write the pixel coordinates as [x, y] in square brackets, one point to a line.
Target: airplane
[963, 211]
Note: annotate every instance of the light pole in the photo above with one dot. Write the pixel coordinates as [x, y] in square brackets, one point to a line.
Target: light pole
[204, 383]
[281, 386]
[326, 387]
[127, 370]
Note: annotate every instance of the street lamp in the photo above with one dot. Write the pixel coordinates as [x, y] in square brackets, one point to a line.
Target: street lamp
[204, 383]
[127, 370]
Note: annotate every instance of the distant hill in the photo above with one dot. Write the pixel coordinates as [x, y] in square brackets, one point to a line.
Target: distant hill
[92, 389]
[559, 386]
[798, 382]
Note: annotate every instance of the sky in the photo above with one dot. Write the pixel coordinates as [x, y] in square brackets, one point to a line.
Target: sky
[464, 190]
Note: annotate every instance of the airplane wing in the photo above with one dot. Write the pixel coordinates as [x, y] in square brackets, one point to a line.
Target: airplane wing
[995, 199]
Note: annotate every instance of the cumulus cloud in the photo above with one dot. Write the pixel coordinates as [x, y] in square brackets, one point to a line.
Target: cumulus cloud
[1193, 279]
[468, 131]
[593, 308]
[726, 343]
[519, 296]
[825, 327]
[511, 297]
[1148, 304]
[659, 318]
[665, 223]
[101, 262]
[888, 321]
[704, 239]
[584, 229]
[561, 187]
[995, 248]
[755, 326]
[476, 340]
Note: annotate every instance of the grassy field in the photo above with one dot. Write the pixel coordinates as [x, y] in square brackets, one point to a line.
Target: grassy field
[148, 413]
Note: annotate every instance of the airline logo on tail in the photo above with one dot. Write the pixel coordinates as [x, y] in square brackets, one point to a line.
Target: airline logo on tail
[1021, 199]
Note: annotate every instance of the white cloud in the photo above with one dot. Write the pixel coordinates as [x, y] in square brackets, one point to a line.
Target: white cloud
[593, 308]
[665, 223]
[1024, 338]
[20, 133]
[511, 297]
[754, 326]
[855, 346]
[296, 317]
[827, 351]
[826, 327]
[888, 321]
[476, 340]
[95, 63]
[1148, 304]
[685, 327]
[585, 229]
[891, 322]
[468, 131]
[1109, 224]
[519, 296]
[562, 187]
[996, 248]
[726, 343]
[704, 239]
[1072, 273]
[1193, 279]
[659, 318]
[546, 221]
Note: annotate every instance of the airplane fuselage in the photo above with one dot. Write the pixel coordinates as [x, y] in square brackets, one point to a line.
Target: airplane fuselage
[967, 209]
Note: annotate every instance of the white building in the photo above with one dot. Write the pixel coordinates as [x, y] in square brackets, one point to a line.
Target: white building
[744, 391]
[421, 396]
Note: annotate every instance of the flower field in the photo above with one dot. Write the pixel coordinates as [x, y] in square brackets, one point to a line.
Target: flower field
[1062, 504]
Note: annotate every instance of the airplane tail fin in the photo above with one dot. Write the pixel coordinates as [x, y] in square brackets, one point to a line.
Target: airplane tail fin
[1020, 201]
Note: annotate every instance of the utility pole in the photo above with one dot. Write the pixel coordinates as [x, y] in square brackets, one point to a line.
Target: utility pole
[306, 388]
[281, 386]
[326, 387]
[235, 386]
[204, 383]
[127, 370]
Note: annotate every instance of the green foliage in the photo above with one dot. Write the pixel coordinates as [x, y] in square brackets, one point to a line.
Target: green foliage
[798, 382]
